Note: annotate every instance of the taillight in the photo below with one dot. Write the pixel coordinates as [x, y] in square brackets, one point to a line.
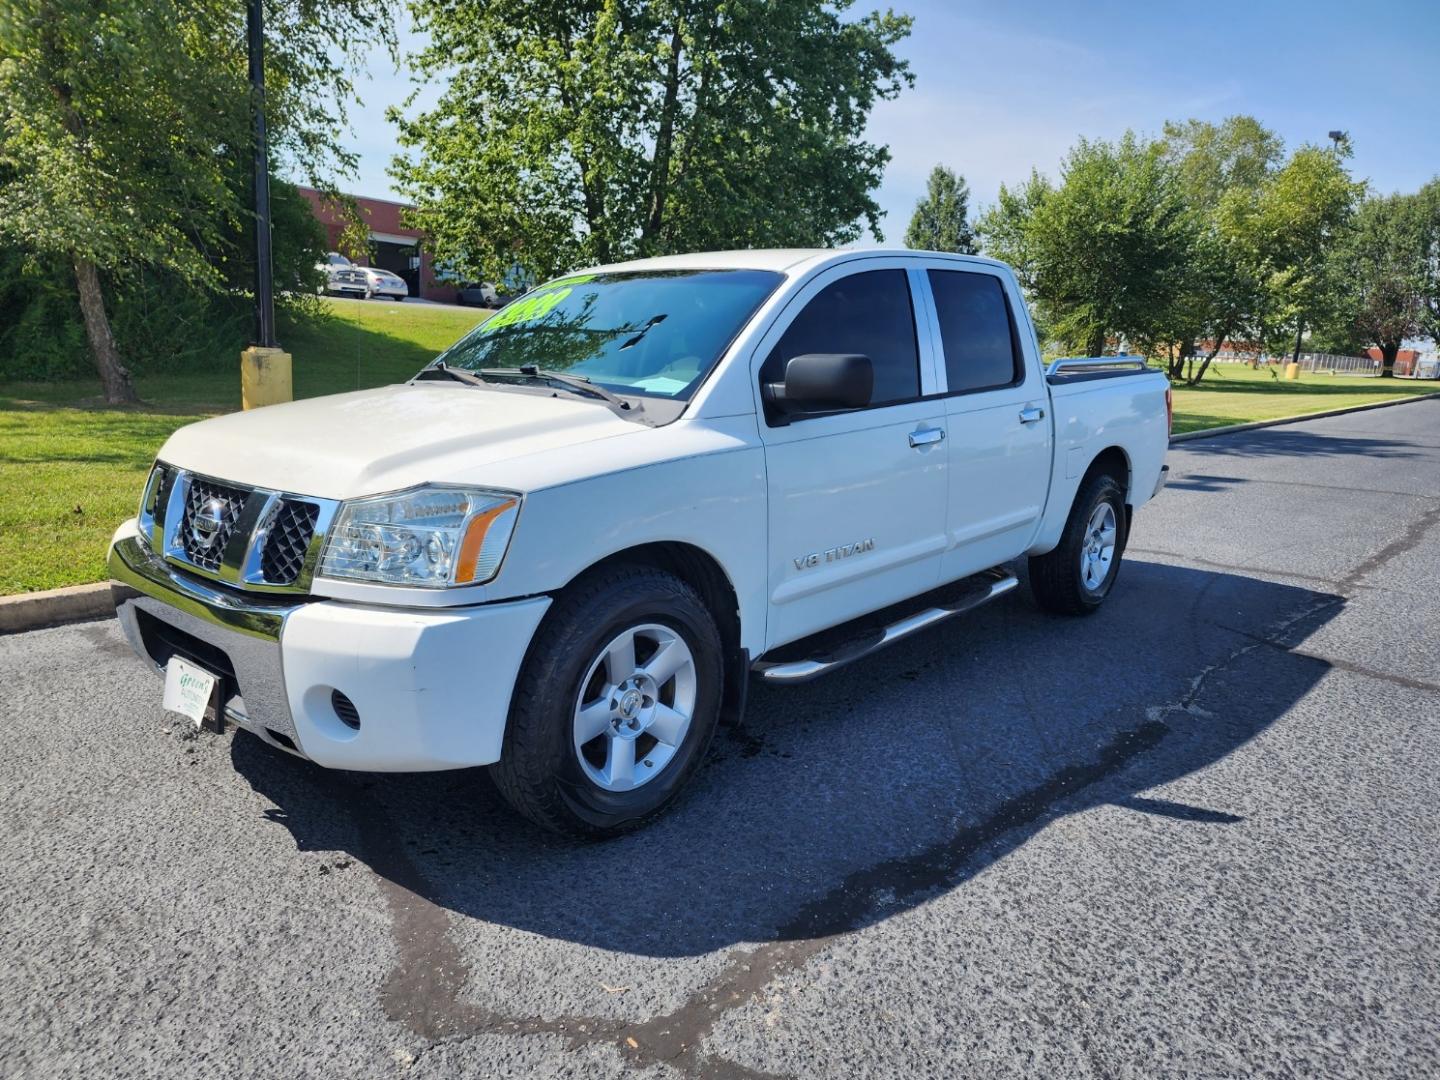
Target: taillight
[1169, 412]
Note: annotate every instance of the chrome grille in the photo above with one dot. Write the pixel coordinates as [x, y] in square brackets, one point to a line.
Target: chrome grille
[211, 511]
[254, 539]
[289, 541]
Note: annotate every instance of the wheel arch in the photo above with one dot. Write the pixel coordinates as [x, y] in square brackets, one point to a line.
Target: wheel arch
[704, 573]
[1114, 459]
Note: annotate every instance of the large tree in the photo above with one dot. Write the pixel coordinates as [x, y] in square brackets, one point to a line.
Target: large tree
[1288, 228]
[941, 221]
[579, 131]
[122, 123]
[1104, 252]
[1386, 265]
[1222, 291]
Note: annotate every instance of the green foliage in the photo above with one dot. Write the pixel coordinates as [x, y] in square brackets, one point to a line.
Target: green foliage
[125, 136]
[1202, 236]
[1222, 294]
[941, 220]
[161, 322]
[585, 131]
[1104, 253]
[125, 129]
[1386, 272]
[1287, 229]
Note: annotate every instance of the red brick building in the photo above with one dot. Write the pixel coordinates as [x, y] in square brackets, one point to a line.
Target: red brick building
[1405, 359]
[393, 245]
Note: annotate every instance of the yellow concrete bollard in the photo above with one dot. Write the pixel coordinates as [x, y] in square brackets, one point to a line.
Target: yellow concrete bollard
[1292, 371]
[264, 377]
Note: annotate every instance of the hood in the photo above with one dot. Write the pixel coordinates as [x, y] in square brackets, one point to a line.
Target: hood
[373, 441]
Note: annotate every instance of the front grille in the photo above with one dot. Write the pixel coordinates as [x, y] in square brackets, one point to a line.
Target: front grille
[208, 521]
[245, 537]
[289, 540]
[350, 277]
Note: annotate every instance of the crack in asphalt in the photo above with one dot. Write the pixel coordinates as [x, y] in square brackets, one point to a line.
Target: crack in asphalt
[1408, 540]
[423, 988]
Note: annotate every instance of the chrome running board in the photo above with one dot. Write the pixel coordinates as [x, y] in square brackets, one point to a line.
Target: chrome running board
[987, 587]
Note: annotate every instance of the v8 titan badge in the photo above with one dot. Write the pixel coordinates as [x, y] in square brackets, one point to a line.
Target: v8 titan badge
[189, 690]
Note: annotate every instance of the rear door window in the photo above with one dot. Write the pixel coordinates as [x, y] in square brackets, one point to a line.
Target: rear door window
[976, 331]
[868, 313]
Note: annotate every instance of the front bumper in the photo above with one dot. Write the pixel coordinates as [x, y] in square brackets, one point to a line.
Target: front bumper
[431, 686]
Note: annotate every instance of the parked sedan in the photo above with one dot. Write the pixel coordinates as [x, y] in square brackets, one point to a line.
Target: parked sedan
[383, 283]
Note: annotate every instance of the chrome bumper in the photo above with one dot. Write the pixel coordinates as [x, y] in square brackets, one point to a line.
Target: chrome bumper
[245, 630]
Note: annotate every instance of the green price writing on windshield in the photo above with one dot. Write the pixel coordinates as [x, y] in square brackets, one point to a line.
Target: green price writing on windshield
[537, 305]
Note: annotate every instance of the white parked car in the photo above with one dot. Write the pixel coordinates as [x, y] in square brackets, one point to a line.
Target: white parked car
[382, 283]
[342, 277]
[564, 548]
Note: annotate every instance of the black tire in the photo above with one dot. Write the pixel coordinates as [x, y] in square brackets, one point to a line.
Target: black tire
[539, 772]
[1056, 578]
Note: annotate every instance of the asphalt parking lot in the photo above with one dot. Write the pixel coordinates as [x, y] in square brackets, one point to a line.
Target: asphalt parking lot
[1197, 834]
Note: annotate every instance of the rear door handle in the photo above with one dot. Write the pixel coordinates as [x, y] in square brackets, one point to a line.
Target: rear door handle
[1031, 415]
[926, 436]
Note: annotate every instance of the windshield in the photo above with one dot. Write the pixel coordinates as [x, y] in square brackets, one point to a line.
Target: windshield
[651, 333]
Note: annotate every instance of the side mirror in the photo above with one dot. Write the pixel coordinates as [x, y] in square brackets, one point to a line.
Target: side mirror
[824, 382]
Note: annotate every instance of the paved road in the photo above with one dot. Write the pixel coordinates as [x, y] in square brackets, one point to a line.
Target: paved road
[1198, 834]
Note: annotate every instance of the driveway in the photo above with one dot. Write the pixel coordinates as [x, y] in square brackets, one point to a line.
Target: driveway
[1198, 833]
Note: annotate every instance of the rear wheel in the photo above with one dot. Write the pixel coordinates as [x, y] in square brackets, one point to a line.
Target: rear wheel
[615, 706]
[1077, 575]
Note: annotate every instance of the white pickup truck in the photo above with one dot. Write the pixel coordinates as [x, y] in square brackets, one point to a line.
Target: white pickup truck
[564, 548]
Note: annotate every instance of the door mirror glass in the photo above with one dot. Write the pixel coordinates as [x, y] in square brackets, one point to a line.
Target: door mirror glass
[824, 382]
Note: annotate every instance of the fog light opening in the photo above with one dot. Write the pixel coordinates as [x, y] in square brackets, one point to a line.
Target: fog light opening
[345, 710]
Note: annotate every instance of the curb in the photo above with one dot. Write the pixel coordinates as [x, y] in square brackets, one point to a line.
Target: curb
[55, 607]
[1210, 433]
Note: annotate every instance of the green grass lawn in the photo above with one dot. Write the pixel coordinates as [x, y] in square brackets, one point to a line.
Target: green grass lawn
[71, 469]
[1233, 394]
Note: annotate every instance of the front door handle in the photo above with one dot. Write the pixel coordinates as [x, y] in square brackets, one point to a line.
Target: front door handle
[926, 436]
[1031, 415]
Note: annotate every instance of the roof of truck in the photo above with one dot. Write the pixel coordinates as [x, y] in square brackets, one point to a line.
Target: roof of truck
[779, 259]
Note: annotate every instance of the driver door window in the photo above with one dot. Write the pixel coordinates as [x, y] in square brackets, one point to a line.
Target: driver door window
[870, 314]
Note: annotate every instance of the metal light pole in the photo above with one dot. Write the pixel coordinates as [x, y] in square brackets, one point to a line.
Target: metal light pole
[264, 366]
[264, 276]
[1337, 137]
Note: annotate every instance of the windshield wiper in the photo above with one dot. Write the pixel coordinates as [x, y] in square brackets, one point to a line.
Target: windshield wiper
[576, 383]
[443, 370]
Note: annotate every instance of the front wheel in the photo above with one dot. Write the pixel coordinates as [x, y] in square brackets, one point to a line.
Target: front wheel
[1077, 575]
[615, 706]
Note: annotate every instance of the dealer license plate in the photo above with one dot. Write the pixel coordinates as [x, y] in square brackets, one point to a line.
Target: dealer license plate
[189, 689]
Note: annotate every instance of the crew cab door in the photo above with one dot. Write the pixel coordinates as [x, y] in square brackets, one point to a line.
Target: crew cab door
[996, 413]
[856, 499]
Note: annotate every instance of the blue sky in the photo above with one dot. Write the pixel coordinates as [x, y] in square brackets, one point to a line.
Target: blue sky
[1003, 87]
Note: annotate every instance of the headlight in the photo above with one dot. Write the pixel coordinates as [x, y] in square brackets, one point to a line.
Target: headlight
[149, 500]
[433, 537]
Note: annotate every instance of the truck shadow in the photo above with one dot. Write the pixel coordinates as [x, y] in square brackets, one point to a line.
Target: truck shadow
[848, 800]
[1305, 443]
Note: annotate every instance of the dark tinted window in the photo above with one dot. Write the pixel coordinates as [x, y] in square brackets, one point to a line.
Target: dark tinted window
[865, 313]
[975, 331]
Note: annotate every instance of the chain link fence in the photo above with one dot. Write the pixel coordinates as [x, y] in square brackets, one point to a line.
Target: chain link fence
[1318, 363]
